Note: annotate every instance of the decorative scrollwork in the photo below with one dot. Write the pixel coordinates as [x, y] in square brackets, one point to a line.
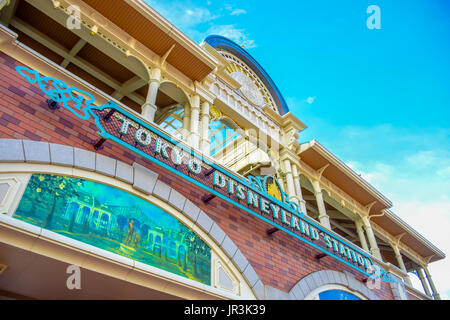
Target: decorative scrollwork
[379, 274]
[80, 101]
[270, 186]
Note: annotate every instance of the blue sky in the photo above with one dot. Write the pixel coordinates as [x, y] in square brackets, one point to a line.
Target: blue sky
[378, 99]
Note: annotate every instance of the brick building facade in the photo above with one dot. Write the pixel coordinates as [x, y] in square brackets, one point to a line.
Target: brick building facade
[249, 257]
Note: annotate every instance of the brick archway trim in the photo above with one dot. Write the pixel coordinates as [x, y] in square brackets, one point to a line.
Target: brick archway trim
[141, 179]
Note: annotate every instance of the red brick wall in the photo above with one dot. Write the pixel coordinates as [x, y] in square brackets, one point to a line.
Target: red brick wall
[280, 260]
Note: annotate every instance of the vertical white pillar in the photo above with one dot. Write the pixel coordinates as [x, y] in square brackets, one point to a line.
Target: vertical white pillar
[298, 189]
[362, 237]
[430, 281]
[372, 240]
[280, 177]
[186, 122]
[290, 182]
[205, 118]
[149, 108]
[400, 262]
[424, 282]
[194, 137]
[323, 216]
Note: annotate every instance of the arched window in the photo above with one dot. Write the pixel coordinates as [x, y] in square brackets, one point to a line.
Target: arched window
[72, 209]
[334, 292]
[173, 123]
[85, 215]
[94, 219]
[172, 250]
[337, 295]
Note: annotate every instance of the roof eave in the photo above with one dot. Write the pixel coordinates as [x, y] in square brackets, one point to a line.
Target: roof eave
[173, 32]
[346, 170]
[437, 253]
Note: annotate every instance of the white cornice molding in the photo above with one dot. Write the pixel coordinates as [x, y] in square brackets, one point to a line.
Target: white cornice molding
[222, 61]
[204, 93]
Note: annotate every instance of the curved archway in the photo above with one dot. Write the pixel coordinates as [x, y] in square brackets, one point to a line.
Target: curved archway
[309, 196]
[334, 292]
[138, 66]
[310, 286]
[173, 113]
[248, 282]
[220, 42]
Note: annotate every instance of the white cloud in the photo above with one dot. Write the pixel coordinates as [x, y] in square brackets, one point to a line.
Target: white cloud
[190, 19]
[423, 159]
[310, 100]
[232, 32]
[377, 176]
[198, 22]
[418, 188]
[237, 12]
[444, 172]
[195, 16]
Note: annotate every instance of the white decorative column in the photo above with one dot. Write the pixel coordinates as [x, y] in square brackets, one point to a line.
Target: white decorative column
[290, 181]
[362, 237]
[280, 177]
[400, 262]
[194, 137]
[298, 189]
[205, 118]
[186, 122]
[423, 281]
[323, 216]
[430, 281]
[149, 108]
[371, 236]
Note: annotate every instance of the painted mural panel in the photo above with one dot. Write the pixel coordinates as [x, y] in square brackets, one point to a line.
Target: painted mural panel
[116, 221]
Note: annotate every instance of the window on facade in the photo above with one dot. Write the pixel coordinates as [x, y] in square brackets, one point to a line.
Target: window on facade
[116, 221]
[233, 149]
[173, 123]
[172, 105]
[221, 137]
[337, 295]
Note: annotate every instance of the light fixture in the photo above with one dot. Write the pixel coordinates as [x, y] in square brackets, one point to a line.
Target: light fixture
[94, 30]
[56, 4]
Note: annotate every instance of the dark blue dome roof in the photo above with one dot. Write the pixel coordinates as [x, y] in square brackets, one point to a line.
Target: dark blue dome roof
[220, 42]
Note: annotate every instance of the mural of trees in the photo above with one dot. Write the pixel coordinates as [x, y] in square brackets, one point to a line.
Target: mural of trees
[195, 249]
[114, 220]
[57, 189]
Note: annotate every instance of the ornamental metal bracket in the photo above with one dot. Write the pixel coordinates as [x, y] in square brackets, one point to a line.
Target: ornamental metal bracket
[98, 145]
[208, 197]
[52, 104]
[271, 231]
[320, 256]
